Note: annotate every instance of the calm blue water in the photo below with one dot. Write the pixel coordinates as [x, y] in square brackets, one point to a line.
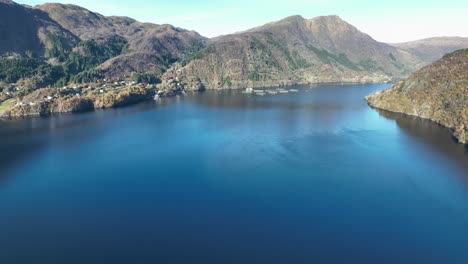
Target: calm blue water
[312, 177]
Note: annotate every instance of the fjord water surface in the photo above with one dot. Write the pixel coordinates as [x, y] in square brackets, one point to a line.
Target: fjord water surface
[309, 177]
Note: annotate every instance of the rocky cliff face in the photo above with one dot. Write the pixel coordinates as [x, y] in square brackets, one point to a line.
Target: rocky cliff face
[438, 92]
[295, 50]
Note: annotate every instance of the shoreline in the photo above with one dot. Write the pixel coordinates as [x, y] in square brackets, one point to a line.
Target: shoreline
[453, 131]
[28, 111]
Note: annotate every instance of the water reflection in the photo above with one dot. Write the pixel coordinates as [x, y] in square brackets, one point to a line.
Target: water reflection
[23, 138]
[330, 97]
[437, 138]
[315, 171]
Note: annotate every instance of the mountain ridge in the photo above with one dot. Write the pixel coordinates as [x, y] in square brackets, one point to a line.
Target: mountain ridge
[321, 49]
[152, 45]
[432, 49]
[147, 42]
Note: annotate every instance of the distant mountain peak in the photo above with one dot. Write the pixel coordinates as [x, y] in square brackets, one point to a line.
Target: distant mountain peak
[299, 18]
[332, 21]
[293, 18]
[329, 18]
[432, 49]
[68, 8]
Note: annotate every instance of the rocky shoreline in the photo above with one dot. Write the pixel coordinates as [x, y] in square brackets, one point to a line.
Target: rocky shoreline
[48, 101]
[438, 92]
[460, 132]
[393, 100]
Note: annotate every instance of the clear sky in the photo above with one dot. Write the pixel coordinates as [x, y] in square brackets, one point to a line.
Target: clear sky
[387, 21]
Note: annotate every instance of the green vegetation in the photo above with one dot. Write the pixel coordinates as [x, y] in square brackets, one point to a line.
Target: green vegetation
[330, 58]
[61, 82]
[78, 66]
[198, 54]
[460, 51]
[145, 78]
[86, 76]
[253, 73]
[395, 63]
[256, 44]
[300, 62]
[398, 65]
[55, 48]
[295, 61]
[5, 105]
[269, 60]
[168, 60]
[323, 55]
[226, 81]
[89, 54]
[283, 50]
[370, 65]
[344, 60]
[14, 68]
[195, 46]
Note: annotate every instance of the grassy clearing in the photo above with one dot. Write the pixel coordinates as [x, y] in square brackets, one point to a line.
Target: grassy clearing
[6, 104]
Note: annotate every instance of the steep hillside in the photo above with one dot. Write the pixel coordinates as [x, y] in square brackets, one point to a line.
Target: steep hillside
[150, 48]
[96, 61]
[25, 30]
[294, 50]
[438, 92]
[336, 36]
[432, 49]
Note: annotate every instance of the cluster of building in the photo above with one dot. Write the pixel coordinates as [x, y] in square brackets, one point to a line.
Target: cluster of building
[74, 90]
[25, 103]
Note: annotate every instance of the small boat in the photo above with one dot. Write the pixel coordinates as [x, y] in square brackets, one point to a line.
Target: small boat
[272, 92]
[293, 90]
[261, 94]
[283, 91]
[248, 91]
[258, 91]
[156, 97]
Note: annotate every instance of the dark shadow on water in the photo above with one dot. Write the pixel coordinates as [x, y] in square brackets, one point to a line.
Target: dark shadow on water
[436, 137]
[23, 138]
